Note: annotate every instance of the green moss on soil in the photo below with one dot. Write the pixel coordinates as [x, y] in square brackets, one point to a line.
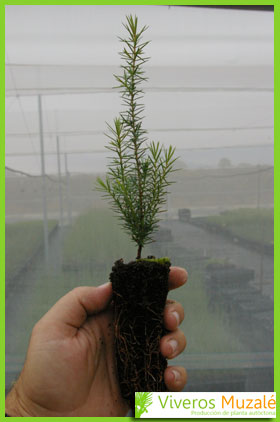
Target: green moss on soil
[163, 261]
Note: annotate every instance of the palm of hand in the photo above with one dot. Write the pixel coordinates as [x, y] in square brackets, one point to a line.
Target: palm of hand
[70, 364]
[81, 376]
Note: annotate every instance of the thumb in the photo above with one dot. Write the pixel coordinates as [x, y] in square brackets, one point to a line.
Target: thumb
[74, 308]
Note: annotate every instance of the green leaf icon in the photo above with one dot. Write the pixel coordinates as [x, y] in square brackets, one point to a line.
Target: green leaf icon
[142, 401]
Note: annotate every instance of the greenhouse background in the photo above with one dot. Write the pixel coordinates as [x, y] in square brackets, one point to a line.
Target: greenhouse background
[210, 94]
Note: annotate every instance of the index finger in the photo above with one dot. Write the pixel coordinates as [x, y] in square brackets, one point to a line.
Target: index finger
[177, 277]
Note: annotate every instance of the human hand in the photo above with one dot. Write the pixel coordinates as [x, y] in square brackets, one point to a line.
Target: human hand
[70, 363]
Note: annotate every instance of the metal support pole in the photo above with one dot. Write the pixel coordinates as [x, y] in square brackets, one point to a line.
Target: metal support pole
[69, 210]
[258, 187]
[59, 183]
[261, 228]
[44, 191]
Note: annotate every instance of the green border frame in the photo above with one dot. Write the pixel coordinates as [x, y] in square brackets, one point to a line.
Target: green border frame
[276, 4]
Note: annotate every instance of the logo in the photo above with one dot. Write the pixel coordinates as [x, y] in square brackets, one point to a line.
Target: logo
[173, 405]
[142, 401]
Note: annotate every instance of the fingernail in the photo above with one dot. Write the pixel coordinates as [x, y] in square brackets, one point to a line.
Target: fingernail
[174, 344]
[104, 286]
[176, 374]
[176, 316]
[184, 275]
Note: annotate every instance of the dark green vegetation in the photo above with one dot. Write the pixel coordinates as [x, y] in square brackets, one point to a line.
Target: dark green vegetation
[247, 223]
[94, 243]
[23, 240]
[137, 176]
[206, 331]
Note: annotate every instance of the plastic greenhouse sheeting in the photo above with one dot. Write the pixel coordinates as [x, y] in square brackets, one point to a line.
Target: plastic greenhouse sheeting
[210, 75]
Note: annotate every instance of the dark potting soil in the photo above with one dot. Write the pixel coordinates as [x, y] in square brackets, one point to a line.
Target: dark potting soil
[139, 294]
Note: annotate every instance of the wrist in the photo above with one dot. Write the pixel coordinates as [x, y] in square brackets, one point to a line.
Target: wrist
[14, 404]
[11, 403]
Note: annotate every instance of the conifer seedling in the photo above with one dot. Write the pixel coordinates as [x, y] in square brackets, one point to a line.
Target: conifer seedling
[136, 184]
[137, 177]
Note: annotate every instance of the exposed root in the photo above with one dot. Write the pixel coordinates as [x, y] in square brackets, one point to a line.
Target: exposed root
[139, 295]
